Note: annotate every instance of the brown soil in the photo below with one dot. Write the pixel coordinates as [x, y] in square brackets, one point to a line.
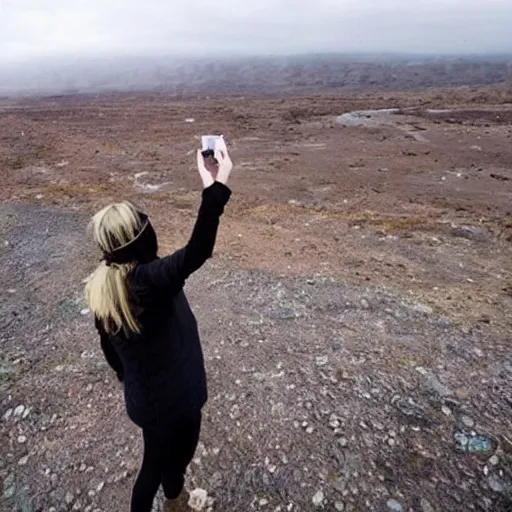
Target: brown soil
[350, 262]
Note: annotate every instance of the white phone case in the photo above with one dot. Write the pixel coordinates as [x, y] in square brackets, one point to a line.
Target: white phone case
[215, 142]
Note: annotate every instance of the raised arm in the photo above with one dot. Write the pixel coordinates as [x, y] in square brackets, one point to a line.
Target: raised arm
[171, 271]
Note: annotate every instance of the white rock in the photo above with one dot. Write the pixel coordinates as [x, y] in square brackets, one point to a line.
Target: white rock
[339, 506]
[446, 410]
[263, 502]
[69, 498]
[22, 439]
[318, 498]
[333, 421]
[23, 461]
[100, 486]
[494, 460]
[310, 430]
[85, 311]
[343, 441]
[26, 412]
[198, 499]
[423, 309]
[7, 415]
[496, 484]
[467, 421]
[426, 506]
[394, 506]
[19, 411]
[321, 360]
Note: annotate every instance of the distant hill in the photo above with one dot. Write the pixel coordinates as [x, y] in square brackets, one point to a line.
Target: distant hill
[266, 75]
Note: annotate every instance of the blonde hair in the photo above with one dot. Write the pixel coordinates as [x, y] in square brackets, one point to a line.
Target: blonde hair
[107, 291]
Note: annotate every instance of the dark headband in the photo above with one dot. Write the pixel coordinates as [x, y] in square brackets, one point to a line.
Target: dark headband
[142, 248]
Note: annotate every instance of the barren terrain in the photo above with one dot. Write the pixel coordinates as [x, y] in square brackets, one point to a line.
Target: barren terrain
[355, 317]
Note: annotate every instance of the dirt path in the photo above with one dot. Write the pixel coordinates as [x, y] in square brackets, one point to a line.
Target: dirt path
[355, 318]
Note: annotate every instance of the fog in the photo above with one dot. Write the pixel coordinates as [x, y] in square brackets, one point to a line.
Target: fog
[34, 29]
[83, 45]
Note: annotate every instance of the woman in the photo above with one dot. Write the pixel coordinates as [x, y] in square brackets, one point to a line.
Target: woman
[149, 334]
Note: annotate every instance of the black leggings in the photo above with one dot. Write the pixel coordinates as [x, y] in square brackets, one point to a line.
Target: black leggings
[167, 453]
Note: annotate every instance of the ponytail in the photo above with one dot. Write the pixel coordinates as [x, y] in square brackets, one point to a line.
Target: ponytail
[110, 298]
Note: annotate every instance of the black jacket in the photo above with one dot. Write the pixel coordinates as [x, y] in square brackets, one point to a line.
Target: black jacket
[163, 368]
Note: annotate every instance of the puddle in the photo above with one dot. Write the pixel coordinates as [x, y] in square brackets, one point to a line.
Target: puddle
[367, 117]
[382, 117]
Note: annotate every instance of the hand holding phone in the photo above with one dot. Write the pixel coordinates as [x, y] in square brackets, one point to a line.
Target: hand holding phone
[213, 159]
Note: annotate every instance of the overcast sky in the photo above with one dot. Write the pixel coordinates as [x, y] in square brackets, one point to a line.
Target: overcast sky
[47, 28]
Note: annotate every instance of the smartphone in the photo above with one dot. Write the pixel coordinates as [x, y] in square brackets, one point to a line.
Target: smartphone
[211, 143]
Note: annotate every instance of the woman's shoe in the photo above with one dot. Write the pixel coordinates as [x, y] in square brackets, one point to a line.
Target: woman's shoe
[180, 504]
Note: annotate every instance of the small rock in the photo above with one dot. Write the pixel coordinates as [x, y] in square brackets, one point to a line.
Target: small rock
[7, 415]
[339, 506]
[495, 484]
[471, 233]
[84, 311]
[9, 486]
[426, 506]
[446, 410]
[23, 461]
[431, 385]
[365, 304]
[263, 502]
[333, 421]
[343, 442]
[82, 467]
[282, 314]
[461, 440]
[480, 444]
[198, 499]
[69, 498]
[26, 412]
[310, 430]
[394, 506]
[321, 360]
[19, 411]
[462, 393]
[318, 498]
[22, 439]
[494, 460]
[77, 505]
[467, 421]
[423, 309]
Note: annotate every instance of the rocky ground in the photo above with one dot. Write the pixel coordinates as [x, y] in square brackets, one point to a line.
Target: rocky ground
[354, 319]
